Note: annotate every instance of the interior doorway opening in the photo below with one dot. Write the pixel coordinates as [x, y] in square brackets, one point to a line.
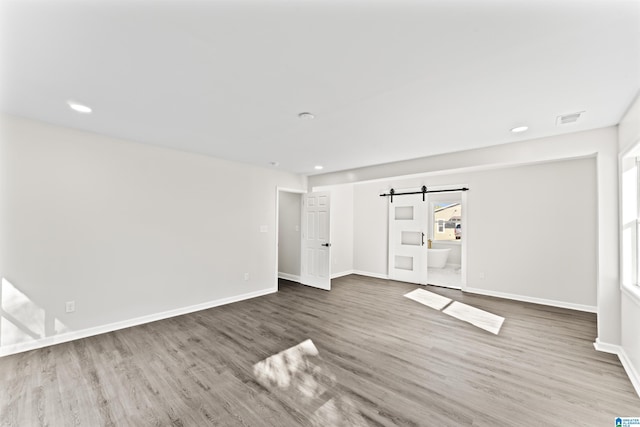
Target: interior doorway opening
[289, 223]
[303, 253]
[446, 235]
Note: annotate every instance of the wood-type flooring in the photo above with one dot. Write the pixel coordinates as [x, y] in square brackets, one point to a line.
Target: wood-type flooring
[374, 358]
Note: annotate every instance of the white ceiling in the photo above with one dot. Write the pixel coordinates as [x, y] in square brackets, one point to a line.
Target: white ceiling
[387, 80]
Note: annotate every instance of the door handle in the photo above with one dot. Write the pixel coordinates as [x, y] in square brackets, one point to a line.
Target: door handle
[422, 239]
[329, 244]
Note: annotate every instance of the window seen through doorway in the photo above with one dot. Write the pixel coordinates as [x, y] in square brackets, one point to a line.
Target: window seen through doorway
[447, 218]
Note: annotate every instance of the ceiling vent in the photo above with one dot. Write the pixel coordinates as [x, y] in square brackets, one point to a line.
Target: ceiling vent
[568, 118]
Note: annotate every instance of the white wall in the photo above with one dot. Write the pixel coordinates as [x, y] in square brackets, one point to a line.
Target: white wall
[629, 146]
[601, 143]
[630, 349]
[342, 233]
[629, 127]
[370, 229]
[530, 230]
[127, 231]
[289, 245]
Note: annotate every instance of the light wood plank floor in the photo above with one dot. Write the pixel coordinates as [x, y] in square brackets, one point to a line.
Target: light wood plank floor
[381, 360]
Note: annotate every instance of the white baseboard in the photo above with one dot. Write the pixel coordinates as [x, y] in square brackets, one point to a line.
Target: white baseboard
[341, 274]
[287, 276]
[97, 330]
[542, 301]
[298, 279]
[605, 347]
[369, 274]
[631, 371]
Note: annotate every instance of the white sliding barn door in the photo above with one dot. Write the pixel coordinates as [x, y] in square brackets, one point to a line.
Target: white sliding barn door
[407, 239]
[316, 248]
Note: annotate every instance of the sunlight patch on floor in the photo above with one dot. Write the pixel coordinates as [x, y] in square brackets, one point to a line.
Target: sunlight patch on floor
[299, 375]
[435, 301]
[482, 319]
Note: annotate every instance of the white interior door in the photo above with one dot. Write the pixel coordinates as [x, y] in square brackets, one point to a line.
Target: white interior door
[407, 238]
[316, 248]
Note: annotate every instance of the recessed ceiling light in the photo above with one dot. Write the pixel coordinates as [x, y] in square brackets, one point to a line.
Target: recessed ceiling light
[318, 167]
[79, 107]
[306, 115]
[519, 129]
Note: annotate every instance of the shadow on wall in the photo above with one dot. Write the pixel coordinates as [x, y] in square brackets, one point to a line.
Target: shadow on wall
[21, 320]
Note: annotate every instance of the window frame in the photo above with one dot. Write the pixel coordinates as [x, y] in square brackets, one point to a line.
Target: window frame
[636, 233]
[441, 230]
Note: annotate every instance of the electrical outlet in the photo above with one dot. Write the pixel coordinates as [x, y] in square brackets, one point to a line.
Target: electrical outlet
[482, 275]
[297, 228]
[70, 306]
[264, 228]
[246, 276]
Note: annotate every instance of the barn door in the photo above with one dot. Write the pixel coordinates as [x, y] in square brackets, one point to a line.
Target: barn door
[407, 234]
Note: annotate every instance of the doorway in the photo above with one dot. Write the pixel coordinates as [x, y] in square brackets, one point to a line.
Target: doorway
[428, 239]
[288, 237]
[446, 235]
[303, 253]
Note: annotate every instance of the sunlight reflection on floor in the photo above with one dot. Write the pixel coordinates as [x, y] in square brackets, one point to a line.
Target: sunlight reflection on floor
[299, 376]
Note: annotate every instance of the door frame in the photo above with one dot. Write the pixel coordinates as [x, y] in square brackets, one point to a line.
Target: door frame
[463, 250]
[463, 223]
[277, 229]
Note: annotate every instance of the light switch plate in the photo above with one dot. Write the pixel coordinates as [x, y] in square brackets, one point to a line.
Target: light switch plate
[70, 306]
